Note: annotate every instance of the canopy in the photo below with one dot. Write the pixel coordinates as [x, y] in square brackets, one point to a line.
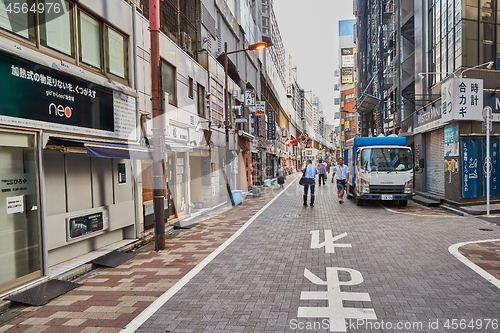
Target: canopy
[106, 149]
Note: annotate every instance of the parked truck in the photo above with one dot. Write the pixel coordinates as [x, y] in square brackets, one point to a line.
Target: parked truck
[380, 168]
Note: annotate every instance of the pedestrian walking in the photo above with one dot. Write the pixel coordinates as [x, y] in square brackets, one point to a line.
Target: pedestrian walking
[342, 173]
[310, 172]
[280, 173]
[321, 172]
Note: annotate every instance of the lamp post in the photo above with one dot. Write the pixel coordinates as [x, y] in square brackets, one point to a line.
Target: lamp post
[227, 121]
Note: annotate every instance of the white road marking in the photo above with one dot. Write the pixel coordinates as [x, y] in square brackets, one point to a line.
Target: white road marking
[453, 249]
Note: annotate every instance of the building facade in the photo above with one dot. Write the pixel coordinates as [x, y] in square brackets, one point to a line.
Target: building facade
[434, 86]
[76, 121]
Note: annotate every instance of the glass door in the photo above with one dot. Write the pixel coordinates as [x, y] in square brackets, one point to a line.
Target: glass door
[20, 250]
[180, 184]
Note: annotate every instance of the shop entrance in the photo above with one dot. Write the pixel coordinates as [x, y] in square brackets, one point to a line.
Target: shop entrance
[20, 250]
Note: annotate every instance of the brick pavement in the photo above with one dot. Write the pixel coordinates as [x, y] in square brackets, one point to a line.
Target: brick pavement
[255, 284]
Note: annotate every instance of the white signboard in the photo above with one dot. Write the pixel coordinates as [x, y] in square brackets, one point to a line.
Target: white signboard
[260, 107]
[15, 204]
[461, 99]
[249, 97]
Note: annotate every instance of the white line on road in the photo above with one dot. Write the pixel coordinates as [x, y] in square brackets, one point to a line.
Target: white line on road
[160, 301]
[453, 249]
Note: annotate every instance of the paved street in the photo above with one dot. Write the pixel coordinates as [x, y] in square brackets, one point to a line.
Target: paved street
[273, 265]
[377, 270]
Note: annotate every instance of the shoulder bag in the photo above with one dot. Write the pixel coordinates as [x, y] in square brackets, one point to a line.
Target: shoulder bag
[302, 180]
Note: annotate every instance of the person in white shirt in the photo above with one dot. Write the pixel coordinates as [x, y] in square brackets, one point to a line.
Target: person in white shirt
[342, 173]
[310, 172]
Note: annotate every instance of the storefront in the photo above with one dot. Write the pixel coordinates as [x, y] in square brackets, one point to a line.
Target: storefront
[20, 239]
[67, 147]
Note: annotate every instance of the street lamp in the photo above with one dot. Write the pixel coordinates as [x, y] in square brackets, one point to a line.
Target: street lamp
[488, 65]
[227, 121]
[422, 74]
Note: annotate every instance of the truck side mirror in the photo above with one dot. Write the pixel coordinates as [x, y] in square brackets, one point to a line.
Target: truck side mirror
[421, 163]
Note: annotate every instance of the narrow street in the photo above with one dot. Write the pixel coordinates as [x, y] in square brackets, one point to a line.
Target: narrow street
[337, 268]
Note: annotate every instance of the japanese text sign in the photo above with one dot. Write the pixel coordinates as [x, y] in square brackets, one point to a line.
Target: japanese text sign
[470, 168]
[260, 108]
[249, 97]
[461, 99]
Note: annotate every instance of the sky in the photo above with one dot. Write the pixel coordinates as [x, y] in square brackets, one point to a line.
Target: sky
[309, 30]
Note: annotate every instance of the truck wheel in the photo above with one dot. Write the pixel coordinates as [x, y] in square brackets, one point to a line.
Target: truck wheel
[348, 190]
[359, 202]
[403, 203]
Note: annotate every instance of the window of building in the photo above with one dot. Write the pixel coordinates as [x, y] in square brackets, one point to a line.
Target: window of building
[56, 29]
[169, 81]
[190, 88]
[336, 101]
[200, 105]
[89, 40]
[116, 53]
[23, 26]
[99, 45]
[217, 101]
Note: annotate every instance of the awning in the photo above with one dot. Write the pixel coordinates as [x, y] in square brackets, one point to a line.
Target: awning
[367, 103]
[105, 149]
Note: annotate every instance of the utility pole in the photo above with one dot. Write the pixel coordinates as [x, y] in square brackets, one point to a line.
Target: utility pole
[158, 135]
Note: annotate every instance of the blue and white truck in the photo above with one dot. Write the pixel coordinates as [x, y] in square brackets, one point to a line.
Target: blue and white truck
[380, 168]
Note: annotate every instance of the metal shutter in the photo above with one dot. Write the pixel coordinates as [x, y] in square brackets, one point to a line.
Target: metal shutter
[435, 166]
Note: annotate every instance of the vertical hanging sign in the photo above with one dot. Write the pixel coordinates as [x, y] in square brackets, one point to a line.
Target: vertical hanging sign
[495, 166]
[271, 125]
[470, 168]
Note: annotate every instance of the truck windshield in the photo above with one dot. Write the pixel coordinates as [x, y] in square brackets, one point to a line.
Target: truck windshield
[386, 159]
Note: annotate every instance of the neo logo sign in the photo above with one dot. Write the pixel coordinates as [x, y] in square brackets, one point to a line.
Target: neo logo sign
[60, 110]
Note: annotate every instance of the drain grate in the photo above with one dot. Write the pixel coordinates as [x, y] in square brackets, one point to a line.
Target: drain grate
[485, 229]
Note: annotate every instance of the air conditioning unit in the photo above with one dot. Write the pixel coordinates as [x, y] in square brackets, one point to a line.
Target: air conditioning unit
[186, 43]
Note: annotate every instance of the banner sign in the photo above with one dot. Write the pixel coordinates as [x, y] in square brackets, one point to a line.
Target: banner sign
[31, 91]
[271, 125]
[495, 165]
[470, 168]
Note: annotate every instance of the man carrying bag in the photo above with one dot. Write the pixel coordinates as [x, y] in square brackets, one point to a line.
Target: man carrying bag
[310, 172]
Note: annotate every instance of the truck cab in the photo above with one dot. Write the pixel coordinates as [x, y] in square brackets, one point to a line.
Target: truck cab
[380, 168]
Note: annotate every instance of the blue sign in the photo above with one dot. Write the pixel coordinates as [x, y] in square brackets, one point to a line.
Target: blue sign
[492, 99]
[451, 141]
[495, 167]
[471, 185]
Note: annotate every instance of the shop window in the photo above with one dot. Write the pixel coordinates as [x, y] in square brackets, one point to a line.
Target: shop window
[116, 53]
[169, 81]
[89, 38]
[56, 29]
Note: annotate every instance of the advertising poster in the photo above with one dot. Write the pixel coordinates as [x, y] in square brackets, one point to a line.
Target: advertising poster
[495, 164]
[85, 224]
[470, 168]
[451, 141]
